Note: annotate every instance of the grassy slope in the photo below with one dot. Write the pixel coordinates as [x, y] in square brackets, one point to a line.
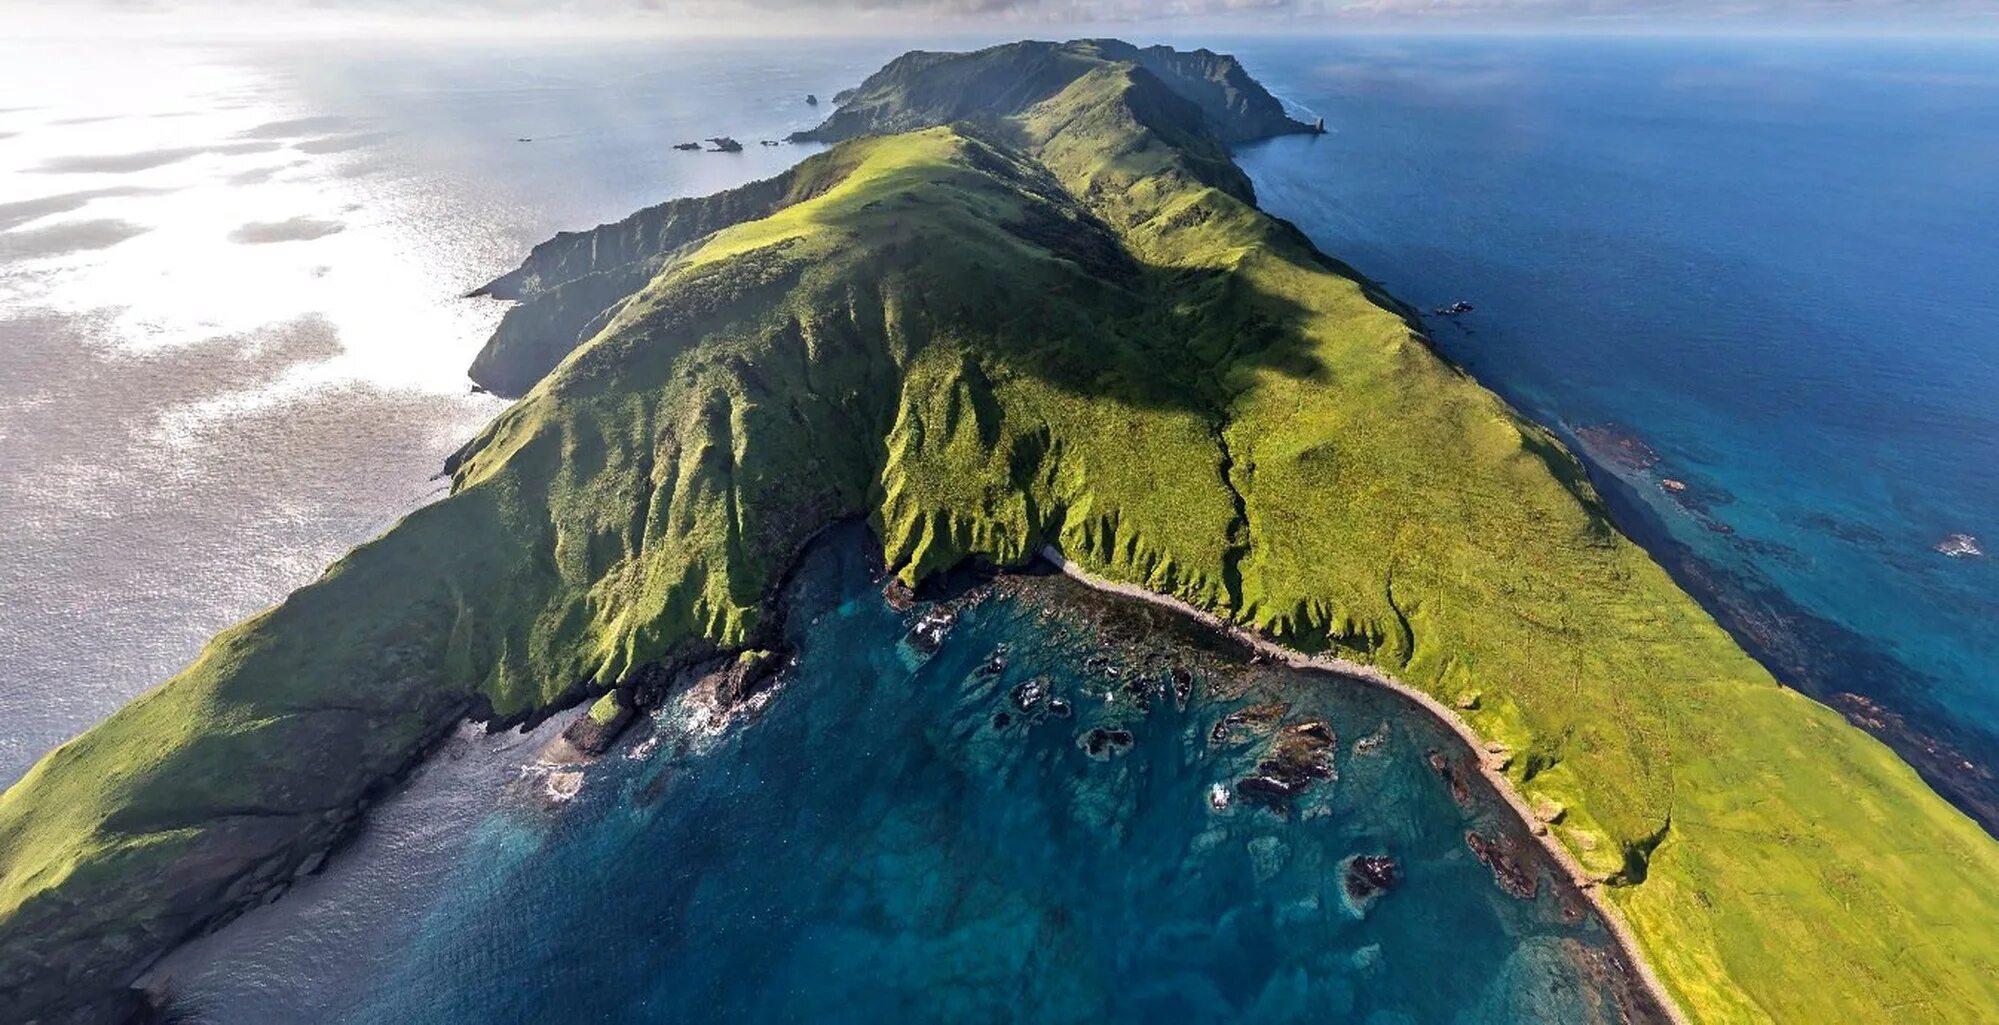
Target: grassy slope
[1070, 325]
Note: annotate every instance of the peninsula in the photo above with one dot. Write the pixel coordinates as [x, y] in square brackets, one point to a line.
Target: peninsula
[1024, 299]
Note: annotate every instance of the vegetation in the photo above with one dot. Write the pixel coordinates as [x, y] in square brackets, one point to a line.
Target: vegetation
[1058, 319]
[607, 709]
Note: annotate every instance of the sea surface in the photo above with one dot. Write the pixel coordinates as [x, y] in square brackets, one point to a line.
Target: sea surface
[232, 345]
[1764, 270]
[1040, 818]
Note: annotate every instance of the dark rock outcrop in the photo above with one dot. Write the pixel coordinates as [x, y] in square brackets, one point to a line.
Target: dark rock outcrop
[1299, 756]
[570, 286]
[1514, 874]
[1106, 742]
[1367, 876]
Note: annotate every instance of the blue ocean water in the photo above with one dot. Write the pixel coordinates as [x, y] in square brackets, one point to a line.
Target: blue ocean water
[1764, 269]
[889, 835]
[1761, 270]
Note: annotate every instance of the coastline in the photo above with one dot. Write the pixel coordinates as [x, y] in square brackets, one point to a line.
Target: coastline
[1488, 762]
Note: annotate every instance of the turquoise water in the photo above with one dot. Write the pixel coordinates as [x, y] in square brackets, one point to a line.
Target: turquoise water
[896, 837]
[1771, 263]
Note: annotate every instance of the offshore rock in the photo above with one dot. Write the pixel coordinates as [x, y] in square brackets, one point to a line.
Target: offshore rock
[1106, 742]
[1960, 546]
[1247, 723]
[1367, 876]
[1030, 697]
[1301, 755]
[929, 632]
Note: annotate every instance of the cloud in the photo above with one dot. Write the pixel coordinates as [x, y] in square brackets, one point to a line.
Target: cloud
[810, 15]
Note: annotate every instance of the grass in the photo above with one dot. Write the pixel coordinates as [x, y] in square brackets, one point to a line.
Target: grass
[1064, 322]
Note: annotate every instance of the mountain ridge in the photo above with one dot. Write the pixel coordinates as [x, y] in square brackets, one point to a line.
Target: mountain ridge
[1060, 320]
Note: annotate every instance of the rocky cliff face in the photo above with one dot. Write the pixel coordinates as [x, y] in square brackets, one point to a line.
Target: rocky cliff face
[569, 286]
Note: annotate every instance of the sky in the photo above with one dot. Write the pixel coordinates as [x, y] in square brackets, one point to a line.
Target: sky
[810, 16]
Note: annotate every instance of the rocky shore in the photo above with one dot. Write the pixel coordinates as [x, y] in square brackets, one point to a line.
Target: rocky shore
[1489, 763]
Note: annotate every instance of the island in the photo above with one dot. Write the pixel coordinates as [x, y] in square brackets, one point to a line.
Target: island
[1025, 300]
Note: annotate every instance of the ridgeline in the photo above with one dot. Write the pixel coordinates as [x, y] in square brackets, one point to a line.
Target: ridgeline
[1025, 298]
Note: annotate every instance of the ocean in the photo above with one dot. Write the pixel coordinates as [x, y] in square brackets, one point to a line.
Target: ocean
[231, 339]
[232, 345]
[1761, 270]
[1040, 820]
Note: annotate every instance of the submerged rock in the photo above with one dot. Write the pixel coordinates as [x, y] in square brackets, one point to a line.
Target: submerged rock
[1247, 723]
[687, 147]
[1452, 776]
[1617, 445]
[1267, 855]
[1106, 742]
[1508, 871]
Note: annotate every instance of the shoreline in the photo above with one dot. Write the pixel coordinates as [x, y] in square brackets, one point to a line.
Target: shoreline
[1585, 883]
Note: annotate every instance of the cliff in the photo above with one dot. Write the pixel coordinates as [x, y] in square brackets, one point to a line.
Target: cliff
[1027, 299]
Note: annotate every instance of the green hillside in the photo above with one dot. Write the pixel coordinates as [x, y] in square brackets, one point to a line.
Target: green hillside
[1058, 318]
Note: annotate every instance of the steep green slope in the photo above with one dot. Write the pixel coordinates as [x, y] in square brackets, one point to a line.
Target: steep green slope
[1058, 319]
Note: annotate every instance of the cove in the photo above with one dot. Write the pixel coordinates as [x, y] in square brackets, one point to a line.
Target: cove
[1045, 819]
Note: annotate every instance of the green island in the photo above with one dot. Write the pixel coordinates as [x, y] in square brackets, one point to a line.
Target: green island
[1025, 299]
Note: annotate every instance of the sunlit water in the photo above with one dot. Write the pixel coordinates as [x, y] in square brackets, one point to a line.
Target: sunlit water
[231, 343]
[891, 835]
